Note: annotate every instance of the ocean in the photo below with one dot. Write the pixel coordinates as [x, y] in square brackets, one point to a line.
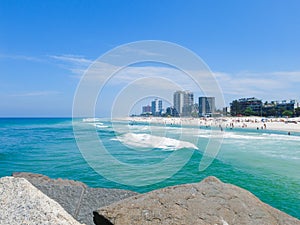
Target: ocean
[267, 163]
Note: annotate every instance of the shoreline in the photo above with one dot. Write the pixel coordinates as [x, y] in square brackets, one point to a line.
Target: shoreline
[289, 125]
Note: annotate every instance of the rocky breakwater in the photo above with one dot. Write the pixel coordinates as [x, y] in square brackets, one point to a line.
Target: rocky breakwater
[75, 197]
[208, 202]
[22, 203]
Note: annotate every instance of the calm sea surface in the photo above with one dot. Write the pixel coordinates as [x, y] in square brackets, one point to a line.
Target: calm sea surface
[263, 162]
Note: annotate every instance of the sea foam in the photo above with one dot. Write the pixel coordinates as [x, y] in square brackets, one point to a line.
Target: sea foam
[151, 141]
[91, 120]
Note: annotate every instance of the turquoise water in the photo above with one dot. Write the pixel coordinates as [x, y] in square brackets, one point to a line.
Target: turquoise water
[263, 162]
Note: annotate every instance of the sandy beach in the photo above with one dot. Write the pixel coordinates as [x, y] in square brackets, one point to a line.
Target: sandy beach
[276, 124]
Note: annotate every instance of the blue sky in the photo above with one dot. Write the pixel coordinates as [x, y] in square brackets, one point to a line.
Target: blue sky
[252, 47]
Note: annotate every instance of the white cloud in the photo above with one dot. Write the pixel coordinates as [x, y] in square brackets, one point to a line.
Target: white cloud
[139, 51]
[75, 59]
[71, 61]
[100, 71]
[36, 93]
[21, 57]
[292, 76]
[75, 63]
[97, 71]
[267, 86]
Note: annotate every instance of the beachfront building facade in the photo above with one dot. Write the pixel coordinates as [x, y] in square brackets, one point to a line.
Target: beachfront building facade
[255, 107]
[183, 102]
[286, 105]
[246, 106]
[206, 106]
[280, 108]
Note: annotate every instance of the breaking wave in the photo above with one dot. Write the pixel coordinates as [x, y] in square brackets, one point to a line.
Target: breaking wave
[152, 141]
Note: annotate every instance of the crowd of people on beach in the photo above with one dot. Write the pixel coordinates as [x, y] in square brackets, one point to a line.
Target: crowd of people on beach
[280, 124]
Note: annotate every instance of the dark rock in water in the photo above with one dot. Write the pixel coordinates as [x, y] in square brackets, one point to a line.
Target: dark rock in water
[207, 202]
[75, 197]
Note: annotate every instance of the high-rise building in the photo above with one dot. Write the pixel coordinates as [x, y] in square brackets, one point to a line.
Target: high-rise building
[206, 106]
[183, 102]
[146, 109]
[156, 107]
[178, 101]
[160, 109]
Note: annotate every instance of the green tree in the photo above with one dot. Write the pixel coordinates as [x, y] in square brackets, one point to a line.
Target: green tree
[287, 113]
[297, 111]
[248, 112]
[272, 112]
[195, 114]
[235, 108]
[279, 111]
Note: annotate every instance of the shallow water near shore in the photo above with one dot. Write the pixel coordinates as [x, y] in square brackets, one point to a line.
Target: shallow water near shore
[267, 163]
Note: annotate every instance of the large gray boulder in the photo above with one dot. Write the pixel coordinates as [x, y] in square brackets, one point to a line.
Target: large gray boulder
[22, 203]
[207, 202]
[75, 197]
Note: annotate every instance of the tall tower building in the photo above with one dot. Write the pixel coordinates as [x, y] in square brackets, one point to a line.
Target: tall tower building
[156, 107]
[160, 109]
[206, 106]
[183, 102]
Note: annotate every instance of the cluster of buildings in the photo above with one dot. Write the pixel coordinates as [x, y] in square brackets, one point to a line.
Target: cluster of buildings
[155, 109]
[254, 106]
[183, 105]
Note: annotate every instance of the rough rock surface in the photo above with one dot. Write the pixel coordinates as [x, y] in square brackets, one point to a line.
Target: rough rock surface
[75, 197]
[22, 203]
[207, 202]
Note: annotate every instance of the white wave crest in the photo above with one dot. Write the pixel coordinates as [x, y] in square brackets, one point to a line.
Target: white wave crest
[91, 120]
[100, 125]
[282, 137]
[152, 141]
[231, 136]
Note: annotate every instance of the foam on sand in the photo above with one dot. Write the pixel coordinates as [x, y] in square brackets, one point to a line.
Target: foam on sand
[151, 141]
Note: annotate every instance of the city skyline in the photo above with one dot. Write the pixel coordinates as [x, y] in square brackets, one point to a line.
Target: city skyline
[205, 106]
[251, 47]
